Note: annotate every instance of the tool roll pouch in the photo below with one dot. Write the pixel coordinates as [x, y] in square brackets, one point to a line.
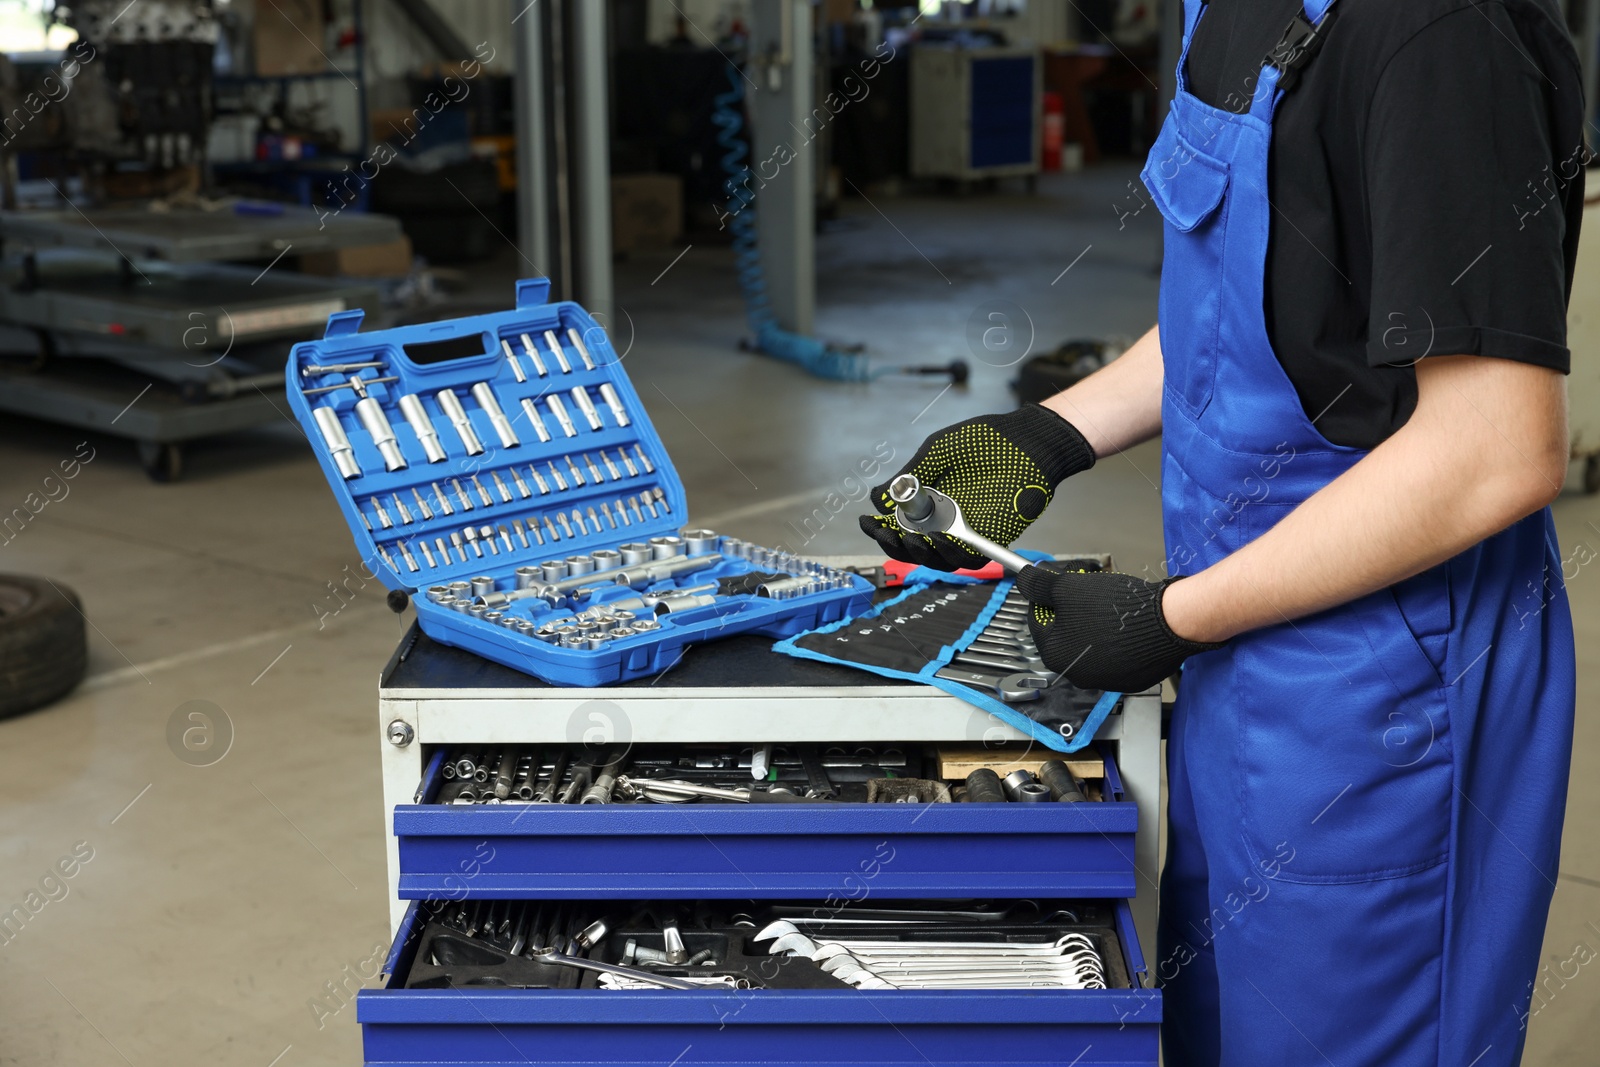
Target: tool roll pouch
[919, 632]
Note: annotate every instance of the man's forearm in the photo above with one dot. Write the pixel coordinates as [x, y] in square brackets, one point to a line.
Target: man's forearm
[1119, 405]
[1486, 446]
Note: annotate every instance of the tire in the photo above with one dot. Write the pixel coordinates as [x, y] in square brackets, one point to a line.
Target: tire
[43, 643]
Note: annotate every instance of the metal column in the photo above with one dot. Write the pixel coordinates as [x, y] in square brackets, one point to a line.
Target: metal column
[783, 160]
[532, 112]
[563, 146]
[591, 151]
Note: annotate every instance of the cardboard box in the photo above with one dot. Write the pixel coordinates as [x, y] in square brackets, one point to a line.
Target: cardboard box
[288, 38]
[646, 211]
[392, 260]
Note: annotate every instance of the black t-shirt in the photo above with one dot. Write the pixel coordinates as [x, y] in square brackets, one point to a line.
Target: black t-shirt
[1426, 183]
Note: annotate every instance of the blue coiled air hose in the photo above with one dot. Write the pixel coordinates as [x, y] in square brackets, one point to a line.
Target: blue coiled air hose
[817, 357]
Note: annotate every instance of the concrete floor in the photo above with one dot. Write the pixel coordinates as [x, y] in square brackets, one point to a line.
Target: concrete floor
[220, 901]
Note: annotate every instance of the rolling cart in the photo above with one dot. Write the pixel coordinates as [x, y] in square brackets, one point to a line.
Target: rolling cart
[736, 691]
[134, 322]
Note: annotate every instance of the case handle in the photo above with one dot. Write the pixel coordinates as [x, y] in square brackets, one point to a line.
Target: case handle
[532, 292]
[344, 323]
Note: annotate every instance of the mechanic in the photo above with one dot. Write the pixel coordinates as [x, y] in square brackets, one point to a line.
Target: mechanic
[1357, 377]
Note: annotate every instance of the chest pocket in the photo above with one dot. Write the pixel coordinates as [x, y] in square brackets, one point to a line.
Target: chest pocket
[1189, 189]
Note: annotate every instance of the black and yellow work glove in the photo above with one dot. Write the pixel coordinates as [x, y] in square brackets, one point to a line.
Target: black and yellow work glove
[1103, 630]
[1001, 470]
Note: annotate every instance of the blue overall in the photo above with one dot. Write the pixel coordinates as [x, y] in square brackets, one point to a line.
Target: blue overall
[1366, 804]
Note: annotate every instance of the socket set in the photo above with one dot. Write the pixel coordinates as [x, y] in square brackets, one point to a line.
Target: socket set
[736, 945]
[914, 773]
[505, 464]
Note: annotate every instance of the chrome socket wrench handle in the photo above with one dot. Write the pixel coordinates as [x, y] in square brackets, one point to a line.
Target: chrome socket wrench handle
[344, 457]
[497, 418]
[639, 577]
[370, 412]
[411, 407]
[921, 510]
[450, 404]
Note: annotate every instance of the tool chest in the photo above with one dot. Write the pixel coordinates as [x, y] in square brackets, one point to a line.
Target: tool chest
[909, 800]
[504, 465]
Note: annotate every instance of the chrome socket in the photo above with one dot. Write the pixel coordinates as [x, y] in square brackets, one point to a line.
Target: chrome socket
[554, 342]
[700, 542]
[606, 559]
[583, 350]
[784, 588]
[511, 358]
[344, 456]
[580, 565]
[437, 591]
[482, 586]
[608, 393]
[636, 554]
[533, 354]
[620, 632]
[530, 410]
[527, 577]
[553, 570]
[497, 417]
[370, 412]
[411, 407]
[667, 605]
[666, 547]
[580, 396]
[644, 626]
[450, 404]
[559, 410]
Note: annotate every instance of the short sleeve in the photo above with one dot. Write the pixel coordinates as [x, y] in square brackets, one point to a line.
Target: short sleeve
[1470, 175]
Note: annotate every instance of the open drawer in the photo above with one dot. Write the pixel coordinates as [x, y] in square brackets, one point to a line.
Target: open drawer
[458, 993]
[925, 846]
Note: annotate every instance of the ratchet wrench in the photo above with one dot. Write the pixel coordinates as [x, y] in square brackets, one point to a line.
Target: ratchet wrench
[921, 510]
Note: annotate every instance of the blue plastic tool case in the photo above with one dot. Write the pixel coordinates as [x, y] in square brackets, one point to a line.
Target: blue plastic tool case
[496, 442]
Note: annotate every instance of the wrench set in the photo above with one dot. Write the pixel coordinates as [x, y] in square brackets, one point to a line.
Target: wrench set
[737, 945]
[505, 464]
[762, 774]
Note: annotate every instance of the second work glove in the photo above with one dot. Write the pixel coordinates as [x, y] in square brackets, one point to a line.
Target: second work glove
[1001, 470]
[1103, 630]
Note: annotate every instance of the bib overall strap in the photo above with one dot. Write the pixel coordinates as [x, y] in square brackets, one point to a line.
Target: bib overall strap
[1301, 41]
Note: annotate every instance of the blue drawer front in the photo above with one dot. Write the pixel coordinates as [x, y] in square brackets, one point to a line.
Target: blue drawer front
[945, 850]
[769, 851]
[1087, 1028]
[799, 1029]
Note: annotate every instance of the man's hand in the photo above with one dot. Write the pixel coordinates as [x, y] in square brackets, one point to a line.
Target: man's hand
[1103, 630]
[1000, 469]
